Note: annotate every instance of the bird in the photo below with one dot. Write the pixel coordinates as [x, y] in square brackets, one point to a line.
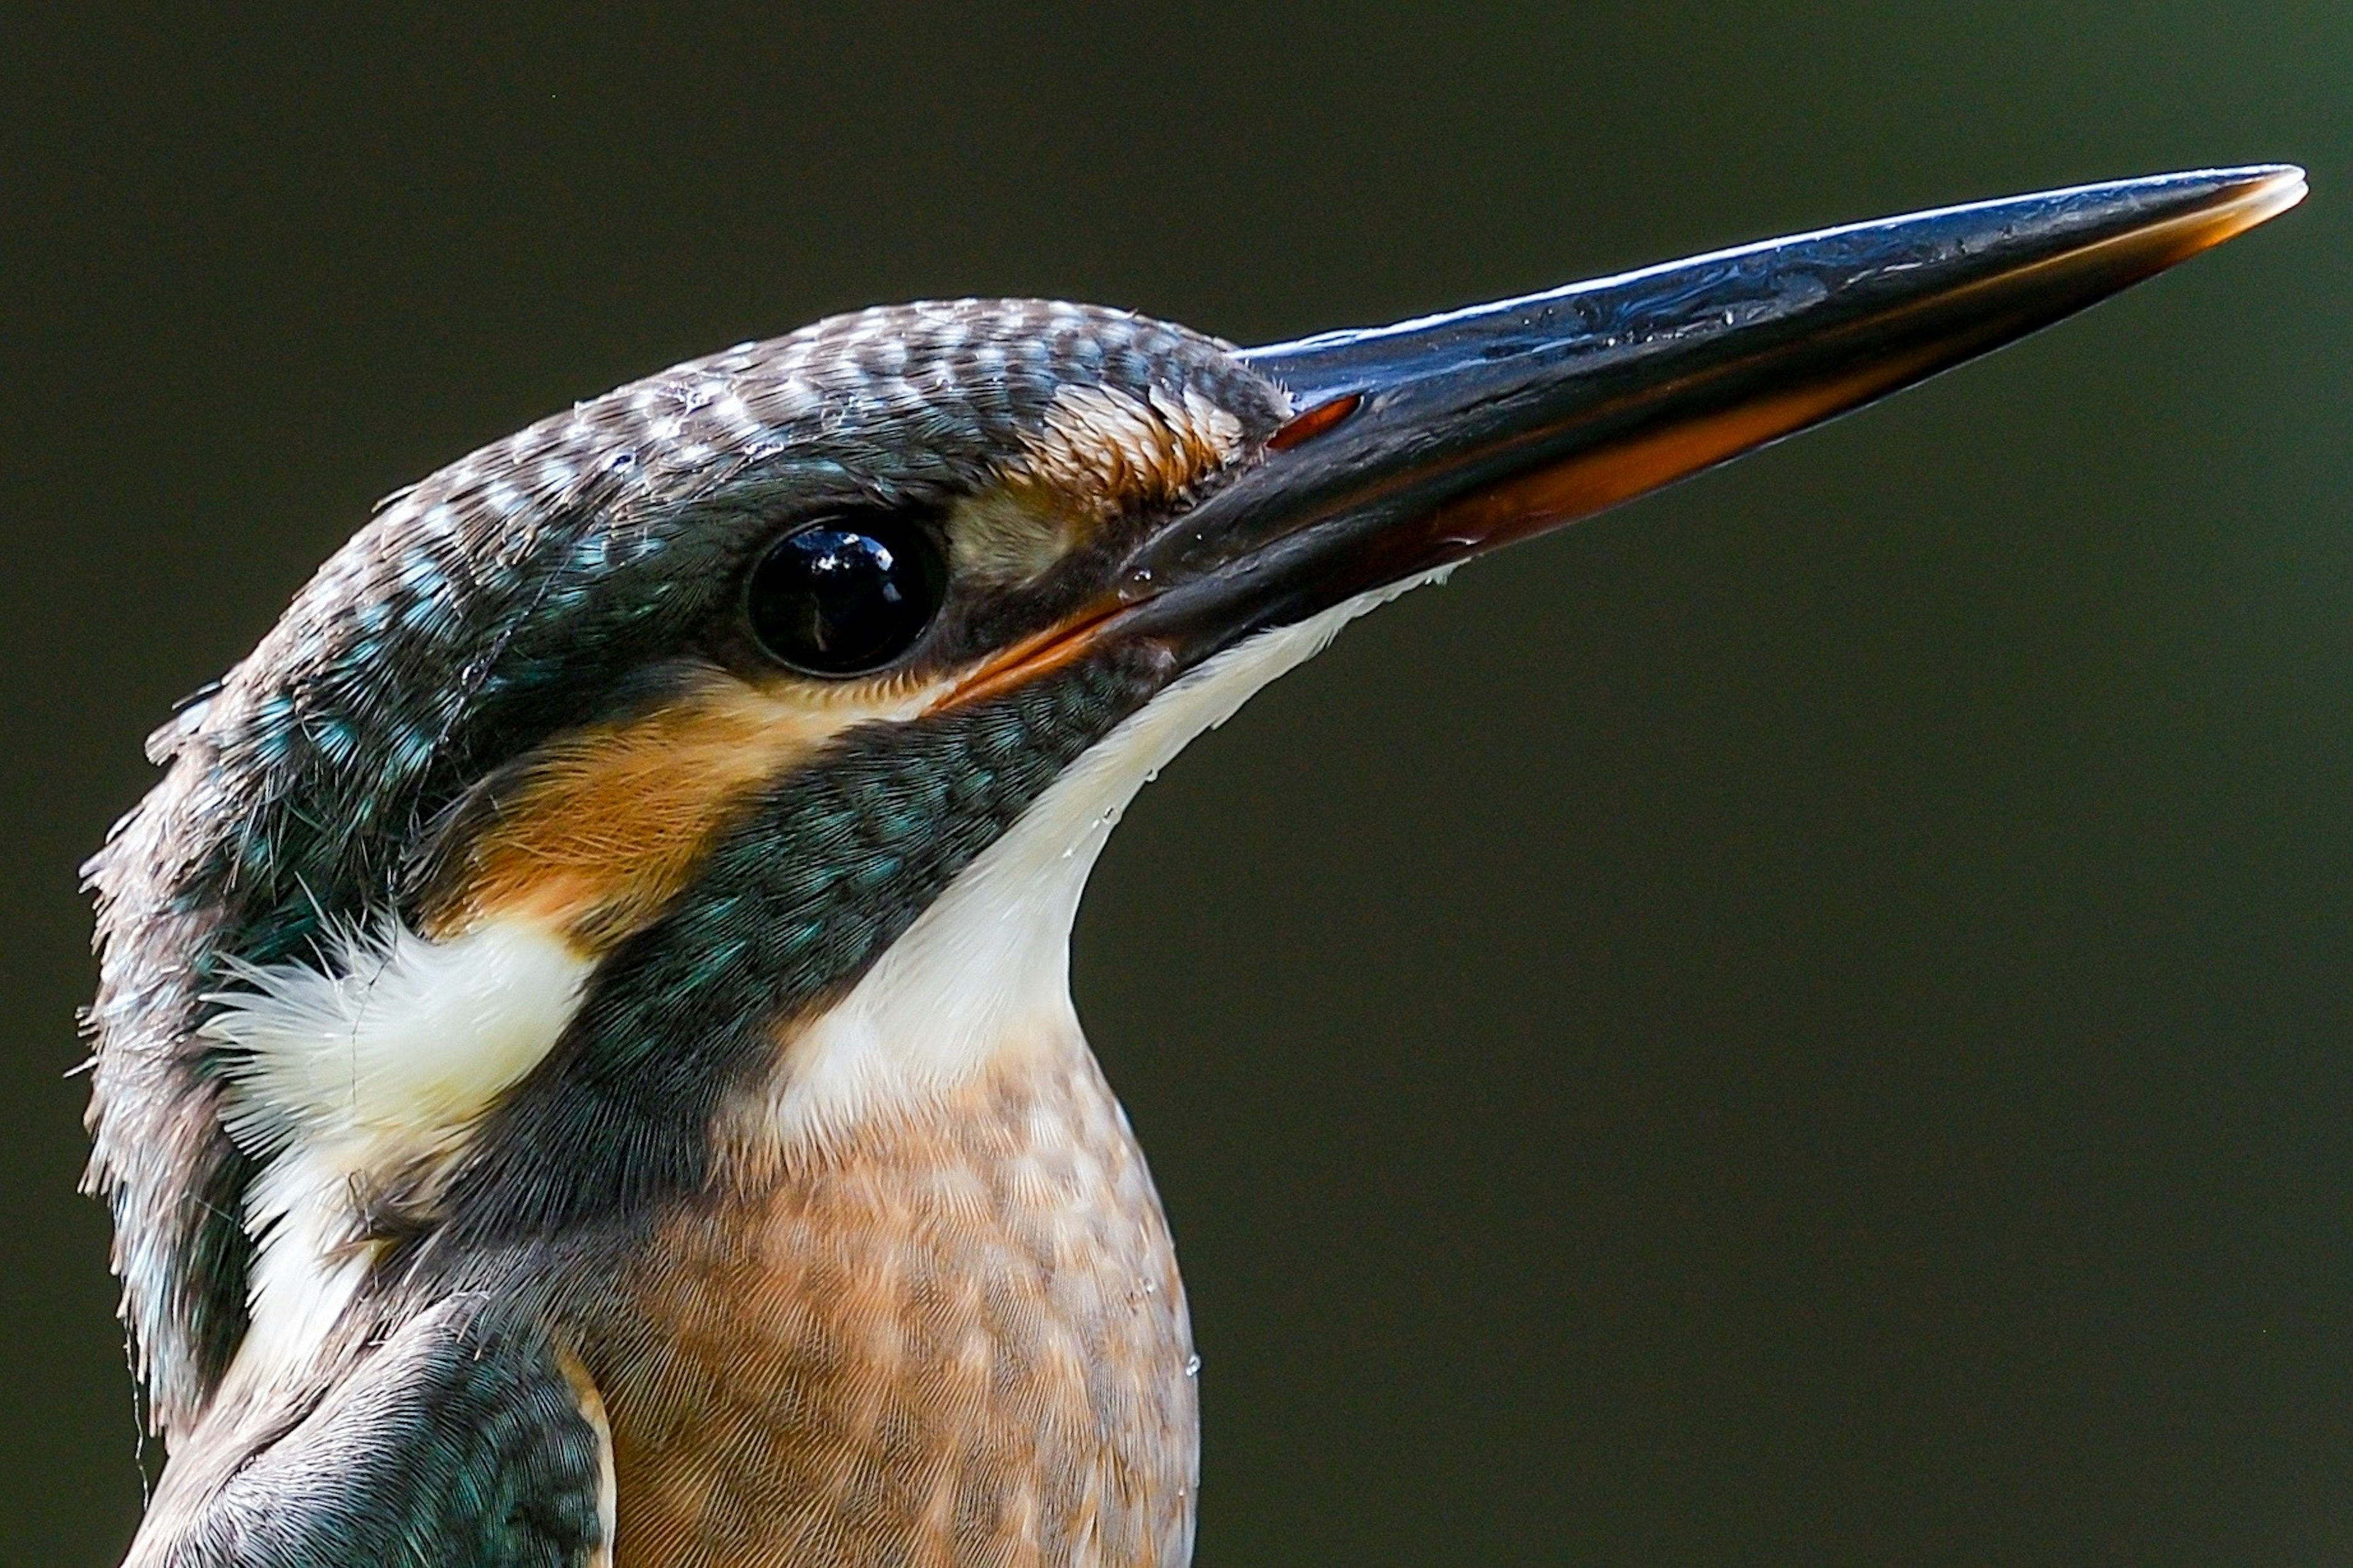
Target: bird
[584, 1064]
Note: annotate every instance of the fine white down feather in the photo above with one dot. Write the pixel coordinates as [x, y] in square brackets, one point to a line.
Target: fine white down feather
[397, 1042]
[382, 1062]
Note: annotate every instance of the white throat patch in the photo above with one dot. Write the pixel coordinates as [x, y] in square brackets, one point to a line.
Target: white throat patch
[984, 974]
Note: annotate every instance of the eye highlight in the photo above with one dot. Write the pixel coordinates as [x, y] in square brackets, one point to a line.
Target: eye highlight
[845, 595]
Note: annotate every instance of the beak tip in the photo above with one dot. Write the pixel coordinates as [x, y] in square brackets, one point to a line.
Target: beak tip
[2275, 188]
[2224, 203]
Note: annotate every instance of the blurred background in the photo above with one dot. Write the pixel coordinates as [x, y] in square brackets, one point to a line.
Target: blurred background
[1803, 1021]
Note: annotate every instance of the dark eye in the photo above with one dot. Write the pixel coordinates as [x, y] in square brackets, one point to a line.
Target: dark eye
[845, 597]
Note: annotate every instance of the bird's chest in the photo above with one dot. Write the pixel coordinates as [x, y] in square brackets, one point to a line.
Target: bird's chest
[957, 1338]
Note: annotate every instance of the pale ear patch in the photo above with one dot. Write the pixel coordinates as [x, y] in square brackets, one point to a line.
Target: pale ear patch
[370, 1073]
[1099, 452]
[397, 1044]
[607, 824]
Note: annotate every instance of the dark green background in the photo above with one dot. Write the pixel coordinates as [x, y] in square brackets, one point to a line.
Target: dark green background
[1804, 1021]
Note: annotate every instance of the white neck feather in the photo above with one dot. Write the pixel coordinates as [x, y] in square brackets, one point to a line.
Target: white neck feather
[983, 977]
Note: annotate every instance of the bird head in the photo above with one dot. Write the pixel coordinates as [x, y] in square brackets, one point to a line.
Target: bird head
[677, 782]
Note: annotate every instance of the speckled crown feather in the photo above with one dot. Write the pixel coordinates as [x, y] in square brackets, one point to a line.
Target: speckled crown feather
[504, 599]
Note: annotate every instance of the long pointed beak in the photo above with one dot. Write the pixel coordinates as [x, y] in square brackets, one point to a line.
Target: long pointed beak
[1419, 444]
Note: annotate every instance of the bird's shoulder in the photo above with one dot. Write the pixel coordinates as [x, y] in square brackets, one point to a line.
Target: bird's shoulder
[464, 1440]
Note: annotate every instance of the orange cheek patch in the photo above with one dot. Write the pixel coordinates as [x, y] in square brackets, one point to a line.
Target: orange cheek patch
[610, 822]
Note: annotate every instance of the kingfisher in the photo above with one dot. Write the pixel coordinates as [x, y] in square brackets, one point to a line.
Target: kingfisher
[585, 1071]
